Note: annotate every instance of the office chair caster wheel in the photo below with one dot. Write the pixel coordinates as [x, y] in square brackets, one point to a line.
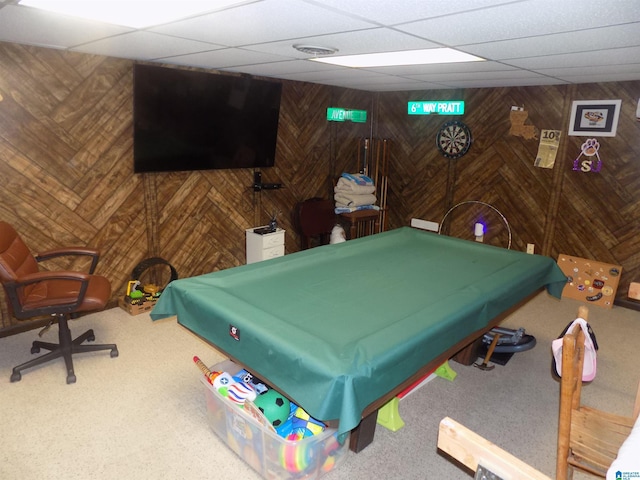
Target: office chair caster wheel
[71, 378]
[114, 353]
[35, 350]
[91, 338]
[16, 377]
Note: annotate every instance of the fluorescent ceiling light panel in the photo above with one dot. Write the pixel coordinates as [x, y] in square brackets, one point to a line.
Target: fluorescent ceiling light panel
[129, 13]
[407, 57]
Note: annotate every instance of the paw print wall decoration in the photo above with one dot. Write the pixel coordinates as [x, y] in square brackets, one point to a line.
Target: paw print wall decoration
[589, 149]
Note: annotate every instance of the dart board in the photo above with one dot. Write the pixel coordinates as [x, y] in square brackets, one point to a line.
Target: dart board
[453, 139]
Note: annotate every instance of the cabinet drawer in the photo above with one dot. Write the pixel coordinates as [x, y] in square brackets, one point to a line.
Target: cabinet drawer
[273, 239]
[273, 252]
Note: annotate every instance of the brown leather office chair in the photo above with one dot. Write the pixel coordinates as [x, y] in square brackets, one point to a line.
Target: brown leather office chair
[61, 294]
[314, 219]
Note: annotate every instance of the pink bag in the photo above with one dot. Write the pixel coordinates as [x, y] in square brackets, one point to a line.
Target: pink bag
[590, 350]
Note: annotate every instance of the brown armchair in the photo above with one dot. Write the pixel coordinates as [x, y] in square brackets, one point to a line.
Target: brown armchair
[31, 293]
[314, 219]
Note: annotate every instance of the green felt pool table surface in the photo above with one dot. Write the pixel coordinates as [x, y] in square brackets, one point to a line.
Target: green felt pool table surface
[339, 326]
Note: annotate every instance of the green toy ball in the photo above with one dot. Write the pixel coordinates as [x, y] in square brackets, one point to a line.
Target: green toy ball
[274, 406]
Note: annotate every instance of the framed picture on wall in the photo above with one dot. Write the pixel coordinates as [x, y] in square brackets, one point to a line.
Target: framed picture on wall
[594, 118]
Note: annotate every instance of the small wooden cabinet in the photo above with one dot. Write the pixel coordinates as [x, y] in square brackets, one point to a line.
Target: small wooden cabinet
[264, 246]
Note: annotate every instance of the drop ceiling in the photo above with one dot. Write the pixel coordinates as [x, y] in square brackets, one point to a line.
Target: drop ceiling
[524, 42]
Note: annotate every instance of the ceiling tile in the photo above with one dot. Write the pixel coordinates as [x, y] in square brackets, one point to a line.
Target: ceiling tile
[476, 76]
[267, 21]
[535, 41]
[619, 56]
[577, 41]
[393, 12]
[37, 27]
[223, 58]
[496, 83]
[277, 69]
[595, 70]
[350, 43]
[144, 45]
[590, 77]
[524, 19]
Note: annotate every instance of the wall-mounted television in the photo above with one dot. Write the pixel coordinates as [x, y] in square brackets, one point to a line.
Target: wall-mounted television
[192, 120]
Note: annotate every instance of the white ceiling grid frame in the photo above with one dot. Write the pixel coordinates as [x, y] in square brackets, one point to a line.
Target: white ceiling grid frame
[525, 42]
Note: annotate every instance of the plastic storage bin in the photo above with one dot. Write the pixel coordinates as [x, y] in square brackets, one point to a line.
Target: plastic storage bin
[267, 453]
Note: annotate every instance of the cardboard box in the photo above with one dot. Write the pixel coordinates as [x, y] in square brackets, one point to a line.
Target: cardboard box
[634, 291]
[136, 309]
[265, 451]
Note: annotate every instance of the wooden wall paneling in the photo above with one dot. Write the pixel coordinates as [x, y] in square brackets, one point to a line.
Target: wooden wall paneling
[347, 134]
[312, 152]
[599, 210]
[66, 163]
[176, 205]
[509, 158]
[527, 205]
[117, 185]
[65, 131]
[30, 137]
[151, 216]
[91, 109]
[182, 215]
[197, 251]
[417, 173]
[302, 156]
[549, 237]
[202, 217]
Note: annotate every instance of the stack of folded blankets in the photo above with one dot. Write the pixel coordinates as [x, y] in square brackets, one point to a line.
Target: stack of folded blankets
[354, 191]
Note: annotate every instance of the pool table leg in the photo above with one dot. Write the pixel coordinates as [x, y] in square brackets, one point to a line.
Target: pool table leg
[362, 435]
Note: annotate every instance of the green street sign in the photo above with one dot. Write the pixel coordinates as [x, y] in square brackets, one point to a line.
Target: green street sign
[344, 115]
[438, 107]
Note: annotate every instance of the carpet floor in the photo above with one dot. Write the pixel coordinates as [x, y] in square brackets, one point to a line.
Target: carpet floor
[142, 415]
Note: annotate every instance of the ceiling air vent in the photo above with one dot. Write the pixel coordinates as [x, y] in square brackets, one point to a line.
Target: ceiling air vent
[315, 50]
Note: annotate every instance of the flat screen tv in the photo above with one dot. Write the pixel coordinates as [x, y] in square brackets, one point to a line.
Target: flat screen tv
[190, 120]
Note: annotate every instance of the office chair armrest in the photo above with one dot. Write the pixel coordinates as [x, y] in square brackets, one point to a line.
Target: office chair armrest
[13, 289]
[71, 251]
[54, 275]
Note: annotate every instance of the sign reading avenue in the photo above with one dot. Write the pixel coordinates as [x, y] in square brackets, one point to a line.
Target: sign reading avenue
[343, 114]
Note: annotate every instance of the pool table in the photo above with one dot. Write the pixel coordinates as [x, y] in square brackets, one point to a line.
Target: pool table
[341, 329]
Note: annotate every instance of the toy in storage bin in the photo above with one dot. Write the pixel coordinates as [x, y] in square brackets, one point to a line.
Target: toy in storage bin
[273, 457]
